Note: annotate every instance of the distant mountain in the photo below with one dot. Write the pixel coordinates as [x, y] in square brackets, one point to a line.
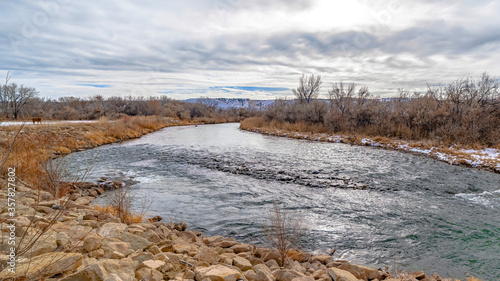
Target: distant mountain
[233, 103]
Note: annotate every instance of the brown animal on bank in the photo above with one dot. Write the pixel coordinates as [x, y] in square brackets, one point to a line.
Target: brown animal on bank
[37, 120]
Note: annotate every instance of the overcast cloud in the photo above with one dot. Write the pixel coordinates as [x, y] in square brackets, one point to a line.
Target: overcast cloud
[237, 48]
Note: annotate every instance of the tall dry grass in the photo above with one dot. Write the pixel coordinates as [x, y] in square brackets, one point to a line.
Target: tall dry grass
[35, 145]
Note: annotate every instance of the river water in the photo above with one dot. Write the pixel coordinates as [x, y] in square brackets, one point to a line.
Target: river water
[376, 207]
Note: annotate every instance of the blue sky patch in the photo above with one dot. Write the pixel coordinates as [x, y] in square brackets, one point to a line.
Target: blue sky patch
[95, 85]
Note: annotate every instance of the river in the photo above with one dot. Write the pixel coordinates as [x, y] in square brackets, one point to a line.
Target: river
[376, 207]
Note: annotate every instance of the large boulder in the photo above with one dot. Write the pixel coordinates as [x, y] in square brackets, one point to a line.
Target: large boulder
[45, 244]
[108, 269]
[242, 263]
[361, 272]
[208, 255]
[341, 275]
[217, 273]
[46, 265]
[112, 229]
[136, 242]
[287, 275]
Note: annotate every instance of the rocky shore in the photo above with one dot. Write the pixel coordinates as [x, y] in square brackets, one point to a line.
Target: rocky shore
[67, 239]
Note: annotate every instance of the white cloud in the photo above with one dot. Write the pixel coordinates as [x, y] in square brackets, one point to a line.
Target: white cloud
[164, 46]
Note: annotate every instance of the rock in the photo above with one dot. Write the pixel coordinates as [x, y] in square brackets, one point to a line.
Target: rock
[136, 242]
[141, 257]
[207, 255]
[261, 252]
[272, 264]
[304, 278]
[162, 231]
[341, 275]
[45, 244]
[155, 219]
[185, 248]
[188, 236]
[108, 269]
[148, 274]
[273, 255]
[217, 273]
[264, 276]
[242, 263]
[151, 236]
[355, 270]
[62, 239]
[226, 243]
[324, 259]
[86, 200]
[154, 250]
[295, 265]
[261, 267]
[47, 265]
[153, 264]
[250, 275]
[418, 275]
[240, 248]
[92, 243]
[111, 229]
[287, 275]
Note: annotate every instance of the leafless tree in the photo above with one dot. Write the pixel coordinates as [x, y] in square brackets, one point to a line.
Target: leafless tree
[283, 231]
[308, 88]
[208, 102]
[14, 97]
[341, 96]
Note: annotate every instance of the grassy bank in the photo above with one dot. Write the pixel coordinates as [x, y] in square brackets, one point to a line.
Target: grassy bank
[29, 147]
[470, 156]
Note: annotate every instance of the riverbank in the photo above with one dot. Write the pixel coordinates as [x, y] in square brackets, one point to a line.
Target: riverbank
[34, 145]
[483, 158]
[67, 239]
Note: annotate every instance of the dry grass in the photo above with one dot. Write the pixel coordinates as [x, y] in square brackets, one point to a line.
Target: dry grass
[35, 145]
[128, 217]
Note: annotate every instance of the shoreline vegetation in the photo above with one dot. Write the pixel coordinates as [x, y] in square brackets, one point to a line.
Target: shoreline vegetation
[458, 123]
[462, 155]
[63, 237]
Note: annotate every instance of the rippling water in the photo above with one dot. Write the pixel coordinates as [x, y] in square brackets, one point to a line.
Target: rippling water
[376, 207]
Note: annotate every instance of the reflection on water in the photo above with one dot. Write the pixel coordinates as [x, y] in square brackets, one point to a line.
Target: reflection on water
[382, 208]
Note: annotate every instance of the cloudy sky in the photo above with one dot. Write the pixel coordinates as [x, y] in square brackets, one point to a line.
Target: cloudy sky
[243, 48]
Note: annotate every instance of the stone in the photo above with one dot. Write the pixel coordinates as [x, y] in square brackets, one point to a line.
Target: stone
[324, 259]
[217, 273]
[242, 263]
[250, 275]
[355, 270]
[226, 243]
[147, 274]
[153, 264]
[341, 275]
[86, 200]
[45, 265]
[240, 248]
[111, 229]
[151, 236]
[273, 255]
[92, 243]
[287, 275]
[304, 278]
[136, 242]
[418, 275]
[108, 269]
[45, 244]
[62, 239]
[272, 264]
[264, 276]
[295, 265]
[185, 248]
[154, 250]
[207, 255]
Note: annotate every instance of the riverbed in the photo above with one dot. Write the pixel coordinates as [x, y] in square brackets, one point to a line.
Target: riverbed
[376, 207]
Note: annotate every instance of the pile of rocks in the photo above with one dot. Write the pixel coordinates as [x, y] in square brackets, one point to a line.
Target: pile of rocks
[77, 243]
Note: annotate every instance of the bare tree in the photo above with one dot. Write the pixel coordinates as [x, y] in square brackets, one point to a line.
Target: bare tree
[308, 88]
[341, 96]
[14, 97]
[283, 231]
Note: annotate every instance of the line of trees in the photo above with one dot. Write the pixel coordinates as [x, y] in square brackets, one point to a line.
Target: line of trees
[466, 111]
[23, 102]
